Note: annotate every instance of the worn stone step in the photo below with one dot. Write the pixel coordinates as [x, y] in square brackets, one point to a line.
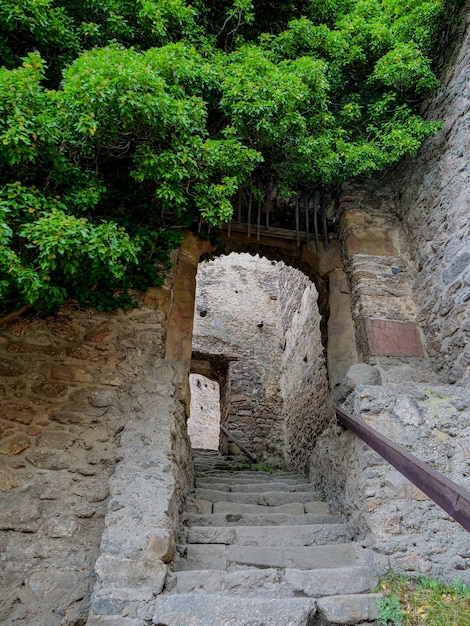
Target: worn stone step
[266, 498]
[251, 487]
[276, 583]
[246, 477]
[261, 519]
[293, 508]
[307, 535]
[226, 610]
[219, 556]
[344, 609]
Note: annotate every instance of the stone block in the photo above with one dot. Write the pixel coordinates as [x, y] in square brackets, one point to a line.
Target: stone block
[390, 338]
[16, 414]
[162, 545]
[14, 445]
[200, 507]
[8, 480]
[345, 609]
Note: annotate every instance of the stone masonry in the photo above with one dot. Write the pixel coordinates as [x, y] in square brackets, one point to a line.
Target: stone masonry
[265, 314]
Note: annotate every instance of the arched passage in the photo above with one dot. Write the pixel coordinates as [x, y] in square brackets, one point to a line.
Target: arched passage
[262, 317]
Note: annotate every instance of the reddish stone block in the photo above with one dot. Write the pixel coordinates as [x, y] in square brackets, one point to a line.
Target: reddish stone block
[390, 338]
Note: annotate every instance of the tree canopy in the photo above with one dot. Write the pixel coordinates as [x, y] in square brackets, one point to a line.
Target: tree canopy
[121, 121]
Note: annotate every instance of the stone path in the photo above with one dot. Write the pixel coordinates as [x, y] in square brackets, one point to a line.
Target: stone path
[261, 549]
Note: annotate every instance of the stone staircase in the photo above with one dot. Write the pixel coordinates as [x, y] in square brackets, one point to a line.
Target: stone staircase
[260, 549]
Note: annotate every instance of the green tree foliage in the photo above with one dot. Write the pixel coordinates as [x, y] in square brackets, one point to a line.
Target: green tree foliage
[120, 122]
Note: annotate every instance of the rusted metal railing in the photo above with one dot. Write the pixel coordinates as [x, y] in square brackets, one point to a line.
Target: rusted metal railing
[455, 500]
[238, 443]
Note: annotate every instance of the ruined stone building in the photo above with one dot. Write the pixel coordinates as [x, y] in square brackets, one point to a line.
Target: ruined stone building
[95, 456]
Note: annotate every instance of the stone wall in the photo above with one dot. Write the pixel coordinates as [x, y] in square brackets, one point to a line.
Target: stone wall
[204, 421]
[304, 383]
[62, 418]
[94, 455]
[238, 297]
[433, 199]
[265, 314]
[407, 531]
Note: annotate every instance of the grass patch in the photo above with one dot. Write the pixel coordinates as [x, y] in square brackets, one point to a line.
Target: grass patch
[422, 601]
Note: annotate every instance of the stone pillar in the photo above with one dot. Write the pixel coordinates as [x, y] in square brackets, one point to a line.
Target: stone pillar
[381, 274]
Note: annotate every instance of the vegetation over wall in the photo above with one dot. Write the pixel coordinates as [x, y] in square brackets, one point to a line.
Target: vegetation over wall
[122, 121]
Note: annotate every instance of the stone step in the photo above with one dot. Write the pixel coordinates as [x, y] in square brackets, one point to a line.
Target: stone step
[266, 498]
[219, 556]
[306, 535]
[247, 477]
[225, 610]
[275, 583]
[262, 519]
[293, 508]
[251, 487]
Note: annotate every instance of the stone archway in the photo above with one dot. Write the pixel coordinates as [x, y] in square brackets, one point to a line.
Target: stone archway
[262, 316]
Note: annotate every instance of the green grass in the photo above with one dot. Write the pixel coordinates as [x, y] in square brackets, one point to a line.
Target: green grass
[422, 601]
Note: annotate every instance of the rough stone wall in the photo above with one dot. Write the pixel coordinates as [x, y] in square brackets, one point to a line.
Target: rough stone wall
[204, 421]
[238, 296]
[433, 190]
[61, 421]
[381, 272]
[304, 381]
[94, 455]
[266, 314]
[407, 531]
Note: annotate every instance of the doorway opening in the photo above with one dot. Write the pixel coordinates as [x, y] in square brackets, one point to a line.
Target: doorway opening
[204, 421]
[257, 334]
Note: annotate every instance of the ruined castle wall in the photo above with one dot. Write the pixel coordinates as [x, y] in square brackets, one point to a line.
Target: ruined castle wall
[433, 191]
[61, 421]
[265, 314]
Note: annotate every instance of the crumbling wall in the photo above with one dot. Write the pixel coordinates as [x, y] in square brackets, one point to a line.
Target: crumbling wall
[62, 418]
[204, 421]
[265, 314]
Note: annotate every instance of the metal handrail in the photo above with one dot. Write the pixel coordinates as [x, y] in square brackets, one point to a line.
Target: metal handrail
[453, 498]
[238, 443]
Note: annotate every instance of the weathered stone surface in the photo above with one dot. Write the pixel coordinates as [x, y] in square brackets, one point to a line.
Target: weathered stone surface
[221, 610]
[342, 350]
[390, 338]
[8, 480]
[200, 507]
[295, 508]
[358, 374]
[267, 498]
[304, 535]
[433, 187]
[329, 582]
[162, 546]
[404, 527]
[14, 445]
[50, 389]
[349, 610]
[17, 414]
